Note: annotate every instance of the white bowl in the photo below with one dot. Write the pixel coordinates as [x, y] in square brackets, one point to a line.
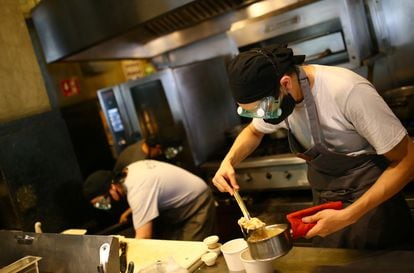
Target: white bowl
[211, 241]
[209, 258]
[216, 250]
[254, 266]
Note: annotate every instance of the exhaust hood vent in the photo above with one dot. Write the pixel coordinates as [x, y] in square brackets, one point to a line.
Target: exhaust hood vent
[69, 28]
[191, 15]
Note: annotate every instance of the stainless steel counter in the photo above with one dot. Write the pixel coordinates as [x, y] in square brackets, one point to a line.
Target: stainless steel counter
[324, 260]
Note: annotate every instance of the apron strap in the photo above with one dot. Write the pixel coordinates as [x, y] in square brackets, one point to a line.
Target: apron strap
[310, 106]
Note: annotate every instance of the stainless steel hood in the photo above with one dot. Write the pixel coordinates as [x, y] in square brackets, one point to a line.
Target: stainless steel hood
[73, 30]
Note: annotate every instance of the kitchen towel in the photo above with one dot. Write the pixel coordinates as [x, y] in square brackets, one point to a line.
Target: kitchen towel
[299, 228]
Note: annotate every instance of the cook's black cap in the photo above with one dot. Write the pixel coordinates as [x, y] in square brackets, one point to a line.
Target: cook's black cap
[255, 74]
[97, 183]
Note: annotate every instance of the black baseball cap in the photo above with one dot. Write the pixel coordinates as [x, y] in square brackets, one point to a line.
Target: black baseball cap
[97, 183]
[255, 74]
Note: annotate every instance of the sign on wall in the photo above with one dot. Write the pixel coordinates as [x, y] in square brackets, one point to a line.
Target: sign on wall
[70, 86]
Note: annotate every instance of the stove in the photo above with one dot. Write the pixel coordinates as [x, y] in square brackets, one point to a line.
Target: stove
[282, 171]
[271, 186]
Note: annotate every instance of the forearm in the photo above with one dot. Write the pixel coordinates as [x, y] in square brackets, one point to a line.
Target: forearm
[144, 232]
[245, 143]
[399, 173]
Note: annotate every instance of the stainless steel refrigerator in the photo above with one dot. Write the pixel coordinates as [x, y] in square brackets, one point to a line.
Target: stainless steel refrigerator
[185, 109]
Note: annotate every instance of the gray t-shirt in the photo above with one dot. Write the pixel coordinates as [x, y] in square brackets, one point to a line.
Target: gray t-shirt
[353, 116]
[153, 186]
[130, 154]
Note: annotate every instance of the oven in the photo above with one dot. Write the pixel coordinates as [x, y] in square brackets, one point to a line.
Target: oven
[171, 108]
[327, 32]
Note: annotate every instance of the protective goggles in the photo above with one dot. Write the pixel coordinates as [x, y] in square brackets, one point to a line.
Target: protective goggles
[267, 108]
[103, 203]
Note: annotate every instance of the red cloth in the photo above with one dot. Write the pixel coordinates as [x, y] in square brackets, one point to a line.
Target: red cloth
[299, 229]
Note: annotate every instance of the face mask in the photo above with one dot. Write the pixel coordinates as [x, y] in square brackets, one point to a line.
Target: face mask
[267, 108]
[286, 107]
[104, 203]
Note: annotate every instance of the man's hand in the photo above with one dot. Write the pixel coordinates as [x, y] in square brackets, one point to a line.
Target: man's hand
[125, 215]
[225, 178]
[327, 222]
[245, 143]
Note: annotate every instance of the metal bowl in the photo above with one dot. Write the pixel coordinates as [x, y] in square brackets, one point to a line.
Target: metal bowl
[270, 242]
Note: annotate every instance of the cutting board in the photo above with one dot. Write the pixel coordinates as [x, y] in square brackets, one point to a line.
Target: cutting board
[145, 252]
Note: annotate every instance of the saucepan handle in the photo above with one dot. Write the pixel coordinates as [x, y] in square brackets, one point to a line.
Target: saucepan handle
[299, 228]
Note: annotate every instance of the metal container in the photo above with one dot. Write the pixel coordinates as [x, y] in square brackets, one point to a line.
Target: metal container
[401, 101]
[269, 243]
[27, 264]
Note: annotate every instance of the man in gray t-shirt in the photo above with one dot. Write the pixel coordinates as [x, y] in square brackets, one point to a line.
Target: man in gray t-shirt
[166, 201]
[356, 149]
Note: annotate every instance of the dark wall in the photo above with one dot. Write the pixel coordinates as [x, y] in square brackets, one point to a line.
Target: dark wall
[88, 137]
[41, 179]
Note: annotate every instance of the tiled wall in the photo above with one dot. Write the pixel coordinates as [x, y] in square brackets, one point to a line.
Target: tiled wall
[40, 178]
[22, 91]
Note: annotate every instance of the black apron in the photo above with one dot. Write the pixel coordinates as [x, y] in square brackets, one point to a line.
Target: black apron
[191, 222]
[338, 177]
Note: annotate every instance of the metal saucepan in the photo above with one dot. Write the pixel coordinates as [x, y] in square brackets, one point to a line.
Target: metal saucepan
[273, 241]
[270, 242]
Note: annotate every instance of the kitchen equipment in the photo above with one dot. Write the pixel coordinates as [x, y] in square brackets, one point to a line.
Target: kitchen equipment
[74, 231]
[131, 267]
[27, 264]
[277, 171]
[211, 241]
[209, 258]
[146, 252]
[38, 227]
[104, 256]
[241, 204]
[401, 102]
[299, 229]
[170, 108]
[276, 243]
[272, 182]
[122, 257]
[339, 35]
[276, 240]
[60, 252]
[257, 225]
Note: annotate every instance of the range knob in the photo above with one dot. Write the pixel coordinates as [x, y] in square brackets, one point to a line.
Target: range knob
[287, 174]
[247, 177]
[269, 175]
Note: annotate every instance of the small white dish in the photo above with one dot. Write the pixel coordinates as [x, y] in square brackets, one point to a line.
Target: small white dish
[209, 258]
[211, 241]
[216, 250]
[75, 231]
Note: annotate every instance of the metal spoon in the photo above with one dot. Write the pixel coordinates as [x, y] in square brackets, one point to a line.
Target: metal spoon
[240, 202]
[246, 232]
[244, 210]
